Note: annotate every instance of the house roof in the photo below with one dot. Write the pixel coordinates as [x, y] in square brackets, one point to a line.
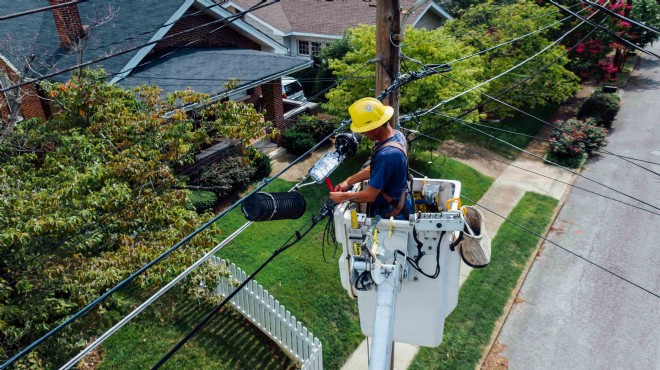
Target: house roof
[36, 33]
[324, 17]
[208, 69]
[133, 23]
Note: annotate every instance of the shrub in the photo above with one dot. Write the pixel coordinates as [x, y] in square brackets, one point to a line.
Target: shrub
[297, 142]
[202, 200]
[576, 141]
[227, 175]
[602, 107]
[305, 133]
[260, 162]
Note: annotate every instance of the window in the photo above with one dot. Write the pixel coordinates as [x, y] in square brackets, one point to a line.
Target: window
[303, 47]
[316, 48]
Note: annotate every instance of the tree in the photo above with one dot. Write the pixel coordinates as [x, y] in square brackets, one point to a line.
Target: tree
[87, 198]
[488, 25]
[647, 12]
[436, 46]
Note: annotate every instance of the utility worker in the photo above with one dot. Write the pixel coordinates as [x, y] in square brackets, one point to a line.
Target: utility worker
[388, 170]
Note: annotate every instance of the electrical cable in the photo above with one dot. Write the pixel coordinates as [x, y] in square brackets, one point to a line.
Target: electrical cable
[573, 135]
[554, 43]
[507, 90]
[38, 10]
[101, 224]
[624, 18]
[154, 297]
[607, 30]
[510, 41]
[185, 240]
[227, 21]
[565, 249]
[467, 124]
[325, 211]
[538, 174]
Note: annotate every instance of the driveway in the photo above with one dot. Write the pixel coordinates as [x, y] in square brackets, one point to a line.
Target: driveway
[571, 314]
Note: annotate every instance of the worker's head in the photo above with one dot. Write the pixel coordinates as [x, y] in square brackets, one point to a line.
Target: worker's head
[369, 115]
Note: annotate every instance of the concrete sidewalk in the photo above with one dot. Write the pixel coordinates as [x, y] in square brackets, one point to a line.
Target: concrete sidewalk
[501, 198]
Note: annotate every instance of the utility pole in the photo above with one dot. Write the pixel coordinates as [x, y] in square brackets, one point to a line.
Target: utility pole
[388, 31]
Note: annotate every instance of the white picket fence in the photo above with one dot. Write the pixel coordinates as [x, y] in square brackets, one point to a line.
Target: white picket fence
[266, 313]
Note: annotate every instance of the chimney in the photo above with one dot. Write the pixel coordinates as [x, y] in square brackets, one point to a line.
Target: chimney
[68, 23]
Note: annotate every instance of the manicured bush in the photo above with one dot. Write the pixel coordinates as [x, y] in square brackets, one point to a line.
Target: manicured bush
[576, 141]
[202, 200]
[305, 133]
[602, 107]
[297, 142]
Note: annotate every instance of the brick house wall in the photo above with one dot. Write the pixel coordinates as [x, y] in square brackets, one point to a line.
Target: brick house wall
[224, 37]
[272, 103]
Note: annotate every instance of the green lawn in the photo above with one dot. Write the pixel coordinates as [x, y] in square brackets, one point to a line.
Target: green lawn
[299, 278]
[229, 342]
[486, 291]
[520, 124]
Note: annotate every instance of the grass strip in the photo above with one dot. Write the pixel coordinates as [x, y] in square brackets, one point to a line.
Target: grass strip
[486, 291]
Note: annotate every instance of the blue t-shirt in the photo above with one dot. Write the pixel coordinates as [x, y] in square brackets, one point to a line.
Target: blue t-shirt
[388, 170]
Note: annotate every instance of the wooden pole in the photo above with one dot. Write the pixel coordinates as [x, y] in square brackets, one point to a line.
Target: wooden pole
[388, 29]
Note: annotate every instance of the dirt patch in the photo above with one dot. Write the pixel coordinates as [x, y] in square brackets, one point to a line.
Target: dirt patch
[296, 172]
[480, 159]
[495, 361]
[566, 111]
[92, 360]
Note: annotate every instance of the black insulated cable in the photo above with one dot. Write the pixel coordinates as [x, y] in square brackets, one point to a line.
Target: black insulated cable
[609, 32]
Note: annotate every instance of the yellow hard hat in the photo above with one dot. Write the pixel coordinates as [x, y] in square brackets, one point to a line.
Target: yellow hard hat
[368, 114]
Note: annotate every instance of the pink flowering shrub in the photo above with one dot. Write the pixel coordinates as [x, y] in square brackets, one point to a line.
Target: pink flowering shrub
[575, 140]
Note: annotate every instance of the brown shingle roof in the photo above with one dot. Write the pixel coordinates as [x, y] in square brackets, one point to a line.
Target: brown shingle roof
[320, 17]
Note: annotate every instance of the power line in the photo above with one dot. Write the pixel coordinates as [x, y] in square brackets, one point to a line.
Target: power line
[617, 15]
[325, 211]
[536, 173]
[227, 20]
[154, 297]
[510, 41]
[400, 82]
[573, 135]
[609, 32]
[554, 43]
[507, 90]
[102, 225]
[565, 249]
[38, 10]
[467, 124]
[556, 244]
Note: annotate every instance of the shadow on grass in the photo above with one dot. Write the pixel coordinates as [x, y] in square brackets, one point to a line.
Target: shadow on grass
[228, 341]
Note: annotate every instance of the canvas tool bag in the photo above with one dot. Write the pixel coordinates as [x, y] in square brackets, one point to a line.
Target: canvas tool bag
[475, 246]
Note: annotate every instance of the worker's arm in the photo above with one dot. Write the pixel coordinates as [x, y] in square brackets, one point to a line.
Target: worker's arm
[362, 175]
[367, 195]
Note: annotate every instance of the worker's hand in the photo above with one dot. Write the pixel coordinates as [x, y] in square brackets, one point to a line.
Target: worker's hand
[338, 196]
[342, 186]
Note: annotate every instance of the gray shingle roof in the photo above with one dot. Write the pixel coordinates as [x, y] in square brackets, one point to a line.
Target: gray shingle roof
[207, 69]
[36, 33]
[321, 17]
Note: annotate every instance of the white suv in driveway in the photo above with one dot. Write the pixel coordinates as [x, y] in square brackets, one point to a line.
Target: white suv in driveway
[292, 89]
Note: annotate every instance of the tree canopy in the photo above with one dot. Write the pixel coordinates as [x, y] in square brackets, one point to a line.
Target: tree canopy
[89, 197]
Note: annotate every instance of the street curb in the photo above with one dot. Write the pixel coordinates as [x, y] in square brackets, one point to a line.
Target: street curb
[516, 291]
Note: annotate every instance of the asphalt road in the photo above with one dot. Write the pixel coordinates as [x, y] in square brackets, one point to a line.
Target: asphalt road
[575, 315]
